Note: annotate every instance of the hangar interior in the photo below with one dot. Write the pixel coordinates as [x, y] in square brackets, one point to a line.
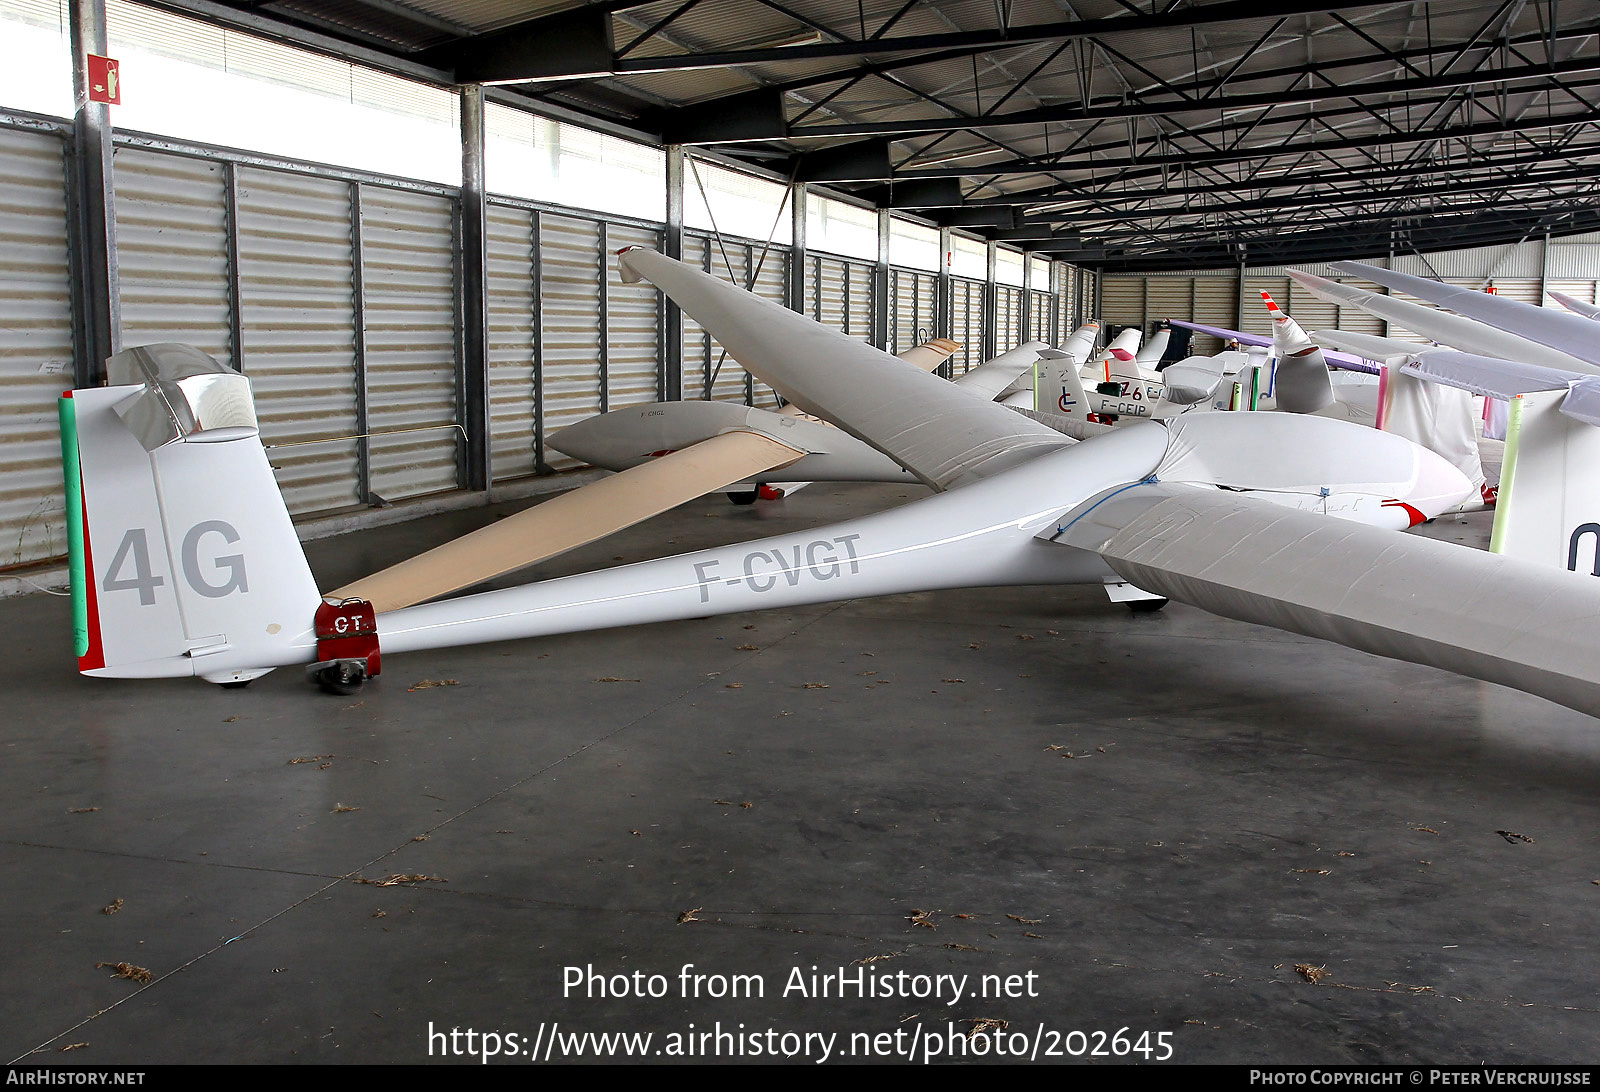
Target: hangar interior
[398, 219]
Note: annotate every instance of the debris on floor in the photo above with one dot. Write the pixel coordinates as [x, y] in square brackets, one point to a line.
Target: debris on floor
[128, 970]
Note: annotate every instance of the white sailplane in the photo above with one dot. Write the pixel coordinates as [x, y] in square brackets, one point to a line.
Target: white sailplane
[186, 563]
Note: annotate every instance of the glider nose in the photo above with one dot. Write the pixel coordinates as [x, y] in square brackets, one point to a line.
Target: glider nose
[1439, 485]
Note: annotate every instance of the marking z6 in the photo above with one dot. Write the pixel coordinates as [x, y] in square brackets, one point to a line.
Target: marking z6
[823, 559]
[134, 550]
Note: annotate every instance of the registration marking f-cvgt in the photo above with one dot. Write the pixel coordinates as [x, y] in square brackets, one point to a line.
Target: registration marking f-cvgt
[823, 558]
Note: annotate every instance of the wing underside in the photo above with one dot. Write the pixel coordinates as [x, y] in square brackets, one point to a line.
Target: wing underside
[572, 519]
[1489, 617]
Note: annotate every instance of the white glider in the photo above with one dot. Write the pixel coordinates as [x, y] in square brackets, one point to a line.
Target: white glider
[177, 574]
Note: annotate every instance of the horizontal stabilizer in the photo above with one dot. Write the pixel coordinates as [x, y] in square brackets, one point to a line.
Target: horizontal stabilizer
[572, 520]
[1192, 379]
[1487, 375]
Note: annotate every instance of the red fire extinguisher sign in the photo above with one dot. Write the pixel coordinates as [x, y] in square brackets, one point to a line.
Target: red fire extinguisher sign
[105, 82]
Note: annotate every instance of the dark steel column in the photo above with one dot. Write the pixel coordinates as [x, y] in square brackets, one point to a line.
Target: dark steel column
[474, 292]
[795, 281]
[671, 313]
[991, 305]
[881, 304]
[98, 321]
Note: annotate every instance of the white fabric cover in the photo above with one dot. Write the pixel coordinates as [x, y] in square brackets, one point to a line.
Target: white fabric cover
[1438, 417]
[1441, 326]
[937, 432]
[1280, 451]
[1560, 330]
[1010, 368]
[1527, 626]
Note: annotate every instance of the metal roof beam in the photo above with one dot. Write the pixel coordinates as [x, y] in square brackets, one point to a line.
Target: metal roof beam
[523, 52]
[1258, 100]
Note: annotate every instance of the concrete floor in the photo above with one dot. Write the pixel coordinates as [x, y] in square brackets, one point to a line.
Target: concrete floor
[1157, 817]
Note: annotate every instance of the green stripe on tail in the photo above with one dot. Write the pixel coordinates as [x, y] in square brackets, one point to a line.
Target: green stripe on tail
[74, 483]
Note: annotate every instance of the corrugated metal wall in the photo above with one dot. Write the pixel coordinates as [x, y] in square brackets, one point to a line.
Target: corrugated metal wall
[1007, 317]
[1216, 300]
[1066, 319]
[966, 322]
[408, 260]
[172, 250]
[841, 294]
[35, 344]
[297, 313]
[513, 341]
[632, 322]
[1038, 304]
[707, 370]
[570, 293]
[915, 297]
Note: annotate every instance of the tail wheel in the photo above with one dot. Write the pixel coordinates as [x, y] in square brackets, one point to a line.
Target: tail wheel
[1146, 606]
[345, 677]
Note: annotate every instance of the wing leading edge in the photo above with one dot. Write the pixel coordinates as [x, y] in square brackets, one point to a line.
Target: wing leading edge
[940, 433]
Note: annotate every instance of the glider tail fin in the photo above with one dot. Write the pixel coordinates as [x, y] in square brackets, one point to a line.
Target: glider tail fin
[1057, 387]
[183, 556]
[1548, 508]
[1301, 383]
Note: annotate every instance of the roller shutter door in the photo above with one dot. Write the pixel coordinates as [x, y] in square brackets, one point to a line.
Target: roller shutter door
[36, 350]
[513, 343]
[297, 315]
[172, 250]
[862, 295]
[1123, 301]
[632, 325]
[408, 279]
[966, 323]
[570, 277]
[1216, 303]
